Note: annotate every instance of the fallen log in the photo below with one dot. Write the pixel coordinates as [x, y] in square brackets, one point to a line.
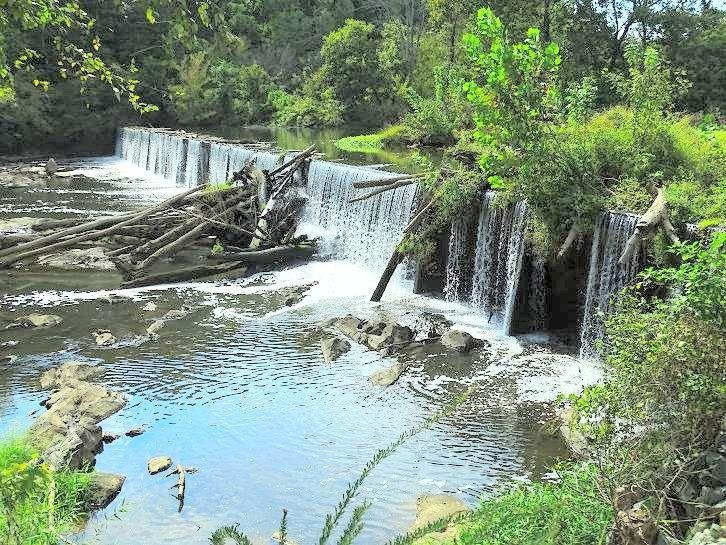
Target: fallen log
[180, 485]
[397, 257]
[185, 275]
[302, 155]
[390, 187]
[262, 230]
[270, 255]
[378, 182]
[190, 224]
[569, 240]
[188, 237]
[47, 245]
[656, 216]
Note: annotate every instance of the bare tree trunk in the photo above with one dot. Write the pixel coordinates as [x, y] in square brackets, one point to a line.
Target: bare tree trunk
[397, 256]
[656, 216]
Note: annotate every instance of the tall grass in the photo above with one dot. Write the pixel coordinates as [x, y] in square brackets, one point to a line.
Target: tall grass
[571, 511]
[36, 504]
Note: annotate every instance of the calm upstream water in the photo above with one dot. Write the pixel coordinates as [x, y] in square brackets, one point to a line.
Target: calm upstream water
[239, 390]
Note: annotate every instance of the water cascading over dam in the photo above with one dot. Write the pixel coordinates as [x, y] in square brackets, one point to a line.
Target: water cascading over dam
[491, 281]
[364, 232]
[606, 277]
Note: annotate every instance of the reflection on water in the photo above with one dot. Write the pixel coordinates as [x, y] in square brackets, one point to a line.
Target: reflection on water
[299, 138]
[239, 389]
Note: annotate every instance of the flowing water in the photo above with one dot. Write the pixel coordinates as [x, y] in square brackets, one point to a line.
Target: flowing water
[491, 281]
[240, 390]
[606, 277]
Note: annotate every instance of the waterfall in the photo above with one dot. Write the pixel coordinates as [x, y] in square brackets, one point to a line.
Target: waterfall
[605, 276]
[498, 259]
[365, 232]
[459, 265]
[226, 159]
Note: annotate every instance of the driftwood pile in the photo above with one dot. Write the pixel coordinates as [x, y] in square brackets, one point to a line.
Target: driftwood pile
[248, 222]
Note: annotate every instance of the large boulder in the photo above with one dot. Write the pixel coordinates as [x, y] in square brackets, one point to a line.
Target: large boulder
[79, 259]
[69, 373]
[428, 326]
[459, 341]
[67, 444]
[51, 167]
[388, 376]
[333, 348]
[433, 508]
[68, 433]
[378, 333]
[350, 326]
[103, 489]
[85, 401]
[392, 335]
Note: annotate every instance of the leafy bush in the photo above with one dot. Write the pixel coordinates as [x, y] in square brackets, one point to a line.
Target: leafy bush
[193, 99]
[252, 87]
[569, 512]
[36, 505]
[304, 110]
[436, 120]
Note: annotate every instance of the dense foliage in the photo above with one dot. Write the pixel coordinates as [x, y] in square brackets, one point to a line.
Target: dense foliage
[664, 397]
[71, 71]
[36, 505]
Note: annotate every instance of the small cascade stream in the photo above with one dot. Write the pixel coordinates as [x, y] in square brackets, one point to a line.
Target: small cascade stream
[605, 276]
[494, 275]
[459, 267]
[364, 232]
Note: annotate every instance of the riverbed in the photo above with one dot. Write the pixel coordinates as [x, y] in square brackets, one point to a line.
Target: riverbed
[239, 388]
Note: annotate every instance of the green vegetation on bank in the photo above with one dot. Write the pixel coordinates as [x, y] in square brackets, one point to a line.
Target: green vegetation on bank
[373, 143]
[36, 504]
[571, 511]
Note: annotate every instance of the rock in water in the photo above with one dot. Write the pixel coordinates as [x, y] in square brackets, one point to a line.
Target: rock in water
[392, 335]
[104, 337]
[135, 432]
[333, 348]
[431, 326]
[388, 376]
[149, 307]
[103, 489]
[109, 438]
[457, 340]
[37, 320]
[154, 328]
[51, 167]
[69, 372]
[159, 464]
[433, 508]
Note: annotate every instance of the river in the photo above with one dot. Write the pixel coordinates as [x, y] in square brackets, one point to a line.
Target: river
[239, 389]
